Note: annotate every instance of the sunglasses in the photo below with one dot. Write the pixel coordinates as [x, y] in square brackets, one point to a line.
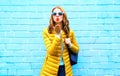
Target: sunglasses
[59, 13]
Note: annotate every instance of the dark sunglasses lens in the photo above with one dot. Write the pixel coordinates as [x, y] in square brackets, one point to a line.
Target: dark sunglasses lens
[54, 13]
[60, 13]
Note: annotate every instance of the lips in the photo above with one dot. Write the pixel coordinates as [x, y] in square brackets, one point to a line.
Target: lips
[57, 19]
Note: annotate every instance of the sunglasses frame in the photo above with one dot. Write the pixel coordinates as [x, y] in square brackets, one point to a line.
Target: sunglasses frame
[59, 13]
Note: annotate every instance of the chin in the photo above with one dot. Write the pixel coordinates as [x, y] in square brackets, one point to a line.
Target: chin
[58, 21]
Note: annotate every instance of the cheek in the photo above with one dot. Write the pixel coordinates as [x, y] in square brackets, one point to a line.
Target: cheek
[61, 18]
[54, 18]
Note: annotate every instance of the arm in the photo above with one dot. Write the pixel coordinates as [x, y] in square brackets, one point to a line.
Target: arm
[51, 46]
[74, 45]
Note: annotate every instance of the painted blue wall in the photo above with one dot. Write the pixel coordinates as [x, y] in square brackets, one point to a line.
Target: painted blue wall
[96, 24]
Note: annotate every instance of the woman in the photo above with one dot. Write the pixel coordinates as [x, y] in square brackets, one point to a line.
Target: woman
[57, 38]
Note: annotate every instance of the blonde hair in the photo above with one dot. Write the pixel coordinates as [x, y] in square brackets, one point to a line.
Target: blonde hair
[65, 22]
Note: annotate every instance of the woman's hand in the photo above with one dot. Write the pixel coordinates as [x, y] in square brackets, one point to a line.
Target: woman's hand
[57, 29]
[68, 42]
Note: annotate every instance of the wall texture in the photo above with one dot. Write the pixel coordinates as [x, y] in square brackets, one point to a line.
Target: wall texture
[96, 24]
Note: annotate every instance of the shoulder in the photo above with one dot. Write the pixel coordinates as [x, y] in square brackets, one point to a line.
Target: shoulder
[71, 34]
[45, 30]
[71, 31]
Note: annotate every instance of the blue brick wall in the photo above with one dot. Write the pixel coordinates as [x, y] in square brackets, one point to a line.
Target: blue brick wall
[96, 24]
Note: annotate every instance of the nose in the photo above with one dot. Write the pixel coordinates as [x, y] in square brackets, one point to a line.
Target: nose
[57, 14]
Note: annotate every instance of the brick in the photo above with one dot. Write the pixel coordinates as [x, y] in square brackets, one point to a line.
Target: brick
[2, 46]
[25, 72]
[22, 66]
[11, 72]
[3, 72]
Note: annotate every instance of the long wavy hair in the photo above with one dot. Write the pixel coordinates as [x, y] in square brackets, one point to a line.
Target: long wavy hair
[65, 22]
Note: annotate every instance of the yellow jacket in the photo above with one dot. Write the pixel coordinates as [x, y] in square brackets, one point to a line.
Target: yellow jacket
[53, 47]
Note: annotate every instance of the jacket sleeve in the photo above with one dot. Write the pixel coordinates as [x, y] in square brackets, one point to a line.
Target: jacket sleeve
[51, 46]
[75, 47]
